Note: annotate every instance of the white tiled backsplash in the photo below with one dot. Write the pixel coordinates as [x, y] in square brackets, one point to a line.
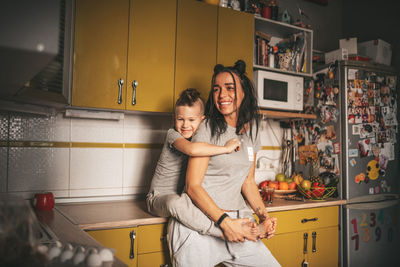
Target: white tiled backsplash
[80, 172]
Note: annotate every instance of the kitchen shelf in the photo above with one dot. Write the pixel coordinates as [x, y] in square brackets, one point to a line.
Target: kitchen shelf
[274, 114]
[278, 31]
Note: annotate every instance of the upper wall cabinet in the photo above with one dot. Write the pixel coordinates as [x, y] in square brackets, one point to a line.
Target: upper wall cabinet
[124, 54]
[298, 40]
[206, 35]
[235, 38]
[196, 46]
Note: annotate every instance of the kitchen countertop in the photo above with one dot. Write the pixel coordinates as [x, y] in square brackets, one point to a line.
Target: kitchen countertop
[131, 213]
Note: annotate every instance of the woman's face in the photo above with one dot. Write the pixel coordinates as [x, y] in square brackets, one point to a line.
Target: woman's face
[227, 100]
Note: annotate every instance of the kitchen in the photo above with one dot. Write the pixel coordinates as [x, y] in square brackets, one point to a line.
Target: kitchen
[106, 155]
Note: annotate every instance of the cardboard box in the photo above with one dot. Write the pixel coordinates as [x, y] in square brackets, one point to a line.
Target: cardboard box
[378, 50]
[350, 44]
[339, 54]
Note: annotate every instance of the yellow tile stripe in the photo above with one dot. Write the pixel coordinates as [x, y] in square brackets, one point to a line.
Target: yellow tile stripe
[271, 148]
[77, 144]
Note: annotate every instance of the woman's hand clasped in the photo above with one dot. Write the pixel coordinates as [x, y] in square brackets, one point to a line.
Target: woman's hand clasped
[238, 230]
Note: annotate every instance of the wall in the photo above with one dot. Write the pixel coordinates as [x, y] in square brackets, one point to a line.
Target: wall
[91, 158]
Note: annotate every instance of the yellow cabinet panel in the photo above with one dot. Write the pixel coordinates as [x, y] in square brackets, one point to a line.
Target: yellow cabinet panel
[152, 238]
[100, 52]
[235, 38]
[286, 248]
[300, 220]
[154, 259]
[326, 247]
[196, 46]
[120, 240]
[151, 55]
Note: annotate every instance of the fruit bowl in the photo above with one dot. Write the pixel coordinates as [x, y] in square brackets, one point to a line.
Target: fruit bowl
[317, 193]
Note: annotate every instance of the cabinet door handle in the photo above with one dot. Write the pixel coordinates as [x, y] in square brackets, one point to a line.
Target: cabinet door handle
[134, 85]
[132, 235]
[120, 84]
[314, 241]
[305, 236]
[309, 220]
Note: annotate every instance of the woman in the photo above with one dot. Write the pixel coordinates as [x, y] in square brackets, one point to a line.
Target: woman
[217, 184]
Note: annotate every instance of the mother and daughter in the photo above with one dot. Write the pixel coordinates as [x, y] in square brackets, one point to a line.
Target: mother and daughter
[205, 173]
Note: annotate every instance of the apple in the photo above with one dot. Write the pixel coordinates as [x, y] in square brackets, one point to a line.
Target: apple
[318, 189]
[263, 184]
[280, 177]
[292, 185]
[306, 184]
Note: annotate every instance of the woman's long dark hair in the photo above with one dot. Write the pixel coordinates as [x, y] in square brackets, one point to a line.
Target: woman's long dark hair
[248, 110]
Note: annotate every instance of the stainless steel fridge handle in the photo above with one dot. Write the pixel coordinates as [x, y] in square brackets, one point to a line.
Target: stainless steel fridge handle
[314, 241]
[309, 220]
[305, 237]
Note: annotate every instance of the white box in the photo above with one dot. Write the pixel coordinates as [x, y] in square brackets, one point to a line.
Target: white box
[339, 54]
[378, 50]
[350, 44]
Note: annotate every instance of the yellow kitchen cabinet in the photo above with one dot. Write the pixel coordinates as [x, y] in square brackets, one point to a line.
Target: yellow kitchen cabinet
[100, 53]
[196, 46]
[124, 54]
[123, 240]
[310, 235]
[149, 246]
[235, 38]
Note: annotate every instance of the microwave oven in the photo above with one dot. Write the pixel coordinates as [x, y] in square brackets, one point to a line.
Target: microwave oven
[278, 90]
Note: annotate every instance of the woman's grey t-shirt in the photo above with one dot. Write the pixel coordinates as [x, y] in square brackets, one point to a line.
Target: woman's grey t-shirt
[169, 176]
[226, 172]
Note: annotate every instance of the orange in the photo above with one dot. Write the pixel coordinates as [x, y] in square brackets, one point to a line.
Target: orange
[283, 186]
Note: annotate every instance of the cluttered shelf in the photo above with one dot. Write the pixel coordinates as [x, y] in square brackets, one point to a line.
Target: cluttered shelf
[274, 114]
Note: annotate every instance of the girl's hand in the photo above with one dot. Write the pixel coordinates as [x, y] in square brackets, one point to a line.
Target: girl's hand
[232, 145]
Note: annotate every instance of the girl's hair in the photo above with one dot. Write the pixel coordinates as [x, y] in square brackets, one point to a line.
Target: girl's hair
[189, 97]
[248, 110]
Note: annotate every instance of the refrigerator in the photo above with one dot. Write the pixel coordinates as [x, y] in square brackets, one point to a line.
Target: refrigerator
[369, 163]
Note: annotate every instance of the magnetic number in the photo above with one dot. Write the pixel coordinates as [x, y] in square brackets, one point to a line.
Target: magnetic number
[381, 217]
[354, 222]
[363, 222]
[378, 233]
[356, 238]
[366, 236]
[390, 234]
[373, 219]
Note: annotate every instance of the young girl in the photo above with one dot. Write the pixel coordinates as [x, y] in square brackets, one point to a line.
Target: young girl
[164, 198]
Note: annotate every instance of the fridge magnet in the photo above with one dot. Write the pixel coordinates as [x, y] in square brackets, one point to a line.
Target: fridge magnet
[376, 150]
[351, 74]
[391, 81]
[308, 153]
[373, 170]
[383, 161]
[377, 189]
[364, 146]
[359, 178]
[356, 129]
[353, 162]
[384, 186]
[330, 132]
[353, 153]
[336, 148]
[371, 190]
[385, 95]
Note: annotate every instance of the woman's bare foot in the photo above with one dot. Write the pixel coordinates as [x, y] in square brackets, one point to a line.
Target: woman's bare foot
[266, 229]
[250, 229]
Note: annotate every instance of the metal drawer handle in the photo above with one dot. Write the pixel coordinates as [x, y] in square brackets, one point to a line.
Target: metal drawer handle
[305, 236]
[134, 85]
[120, 83]
[309, 220]
[314, 241]
[132, 235]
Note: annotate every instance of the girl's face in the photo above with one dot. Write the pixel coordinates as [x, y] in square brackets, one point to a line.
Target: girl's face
[188, 119]
[227, 99]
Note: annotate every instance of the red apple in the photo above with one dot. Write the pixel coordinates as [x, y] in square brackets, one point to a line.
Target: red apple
[263, 184]
[292, 186]
[274, 184]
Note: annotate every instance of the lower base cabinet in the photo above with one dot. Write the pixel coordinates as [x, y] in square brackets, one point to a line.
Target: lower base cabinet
[307, 235]
[141, 246]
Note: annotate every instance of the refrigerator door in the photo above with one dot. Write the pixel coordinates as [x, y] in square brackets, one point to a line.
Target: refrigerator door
[371, 234]
[370, 125]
